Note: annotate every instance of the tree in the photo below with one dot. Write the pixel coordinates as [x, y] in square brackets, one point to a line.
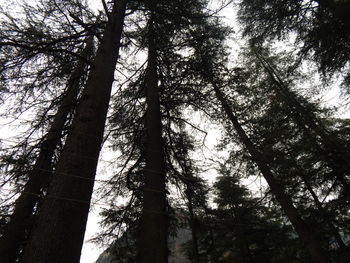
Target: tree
[157, 98]
[248, 229]
[292, 133]
[38, 180]
[185, 70]
[321, 27]
[64, 211]
[313, 245]
[25, 43]
[331, 146]
[154, 218]
[210, 57]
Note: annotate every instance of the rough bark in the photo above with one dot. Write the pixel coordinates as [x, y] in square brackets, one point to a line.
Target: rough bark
[58, 232]
[153, 239]
[16, 230]
[311, 243]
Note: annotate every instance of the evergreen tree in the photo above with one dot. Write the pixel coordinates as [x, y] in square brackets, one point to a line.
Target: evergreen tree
[173, 24]
[57, 217]
[293, 143]
[32, 64]
[313, 245]
[210, 71]
[321, 26]
[39, 178]
[248, 229]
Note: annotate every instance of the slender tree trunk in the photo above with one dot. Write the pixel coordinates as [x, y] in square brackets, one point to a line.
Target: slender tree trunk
[212, 249]
[58, 232]
[323, 211]
[334, 231]
[312, 244]
[319, 205]
[196, 258]
[153, 239]
[336, 155]
[17, 229]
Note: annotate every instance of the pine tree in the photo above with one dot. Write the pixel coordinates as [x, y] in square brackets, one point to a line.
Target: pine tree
[39, 178]
[64, 211]
[312, 244]
[168, 25]
[321, 27]
[154, 218]
[248, 229]
[286, 141]
[32, 64]
[210, 57]
[331, 147]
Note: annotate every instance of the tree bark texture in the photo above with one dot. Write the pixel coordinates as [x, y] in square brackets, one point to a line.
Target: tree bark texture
[153, 236]
[311, 243]
[58, 232]
[17, 229]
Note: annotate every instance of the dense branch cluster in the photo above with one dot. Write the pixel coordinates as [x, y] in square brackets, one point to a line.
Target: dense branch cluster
[147, 78]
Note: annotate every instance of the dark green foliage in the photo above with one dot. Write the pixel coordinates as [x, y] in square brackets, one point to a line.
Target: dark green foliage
[322, 27]
[265, 91]
[283, 127]
[244, 229]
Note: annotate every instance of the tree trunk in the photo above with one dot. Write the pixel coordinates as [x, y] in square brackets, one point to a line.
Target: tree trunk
[153, 239]
[323, 211]
[17, 229]
[313, 245]
[336, 155]
[58, 232]
[319, 205]
[212, 250]
[193, 227]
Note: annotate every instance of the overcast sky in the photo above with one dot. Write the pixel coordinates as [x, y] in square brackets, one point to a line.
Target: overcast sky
[90, 251]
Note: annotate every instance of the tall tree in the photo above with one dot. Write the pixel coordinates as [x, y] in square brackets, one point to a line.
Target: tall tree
[331, 147]
[154, 218]
[313, 245]
[64, 211]
[157, 98]
[287, 131]
[321, 27]
[18, 228]
[211, 54]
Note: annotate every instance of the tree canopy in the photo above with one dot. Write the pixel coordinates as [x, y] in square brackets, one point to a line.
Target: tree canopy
[148, 81]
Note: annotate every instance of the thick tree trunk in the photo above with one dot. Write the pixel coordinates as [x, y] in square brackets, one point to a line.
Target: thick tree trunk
[17, 229]
[153, 239]
[313, 245]
[58, 232]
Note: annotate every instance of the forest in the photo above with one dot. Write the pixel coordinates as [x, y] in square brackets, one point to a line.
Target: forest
[169, 115]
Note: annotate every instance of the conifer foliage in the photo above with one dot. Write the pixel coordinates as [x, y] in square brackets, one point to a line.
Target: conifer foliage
[153, 75]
